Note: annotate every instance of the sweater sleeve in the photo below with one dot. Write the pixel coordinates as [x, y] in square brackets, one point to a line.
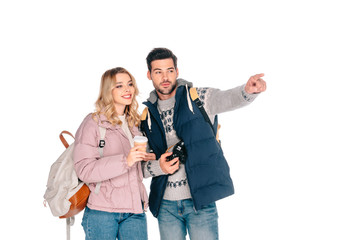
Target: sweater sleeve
[217, 101]
[89, 166]
[152, 169]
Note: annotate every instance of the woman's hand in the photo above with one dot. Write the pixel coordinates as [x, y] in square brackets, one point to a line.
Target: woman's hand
[135, 156]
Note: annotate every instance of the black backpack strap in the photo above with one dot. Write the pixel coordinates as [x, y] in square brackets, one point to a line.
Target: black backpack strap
[195, 97]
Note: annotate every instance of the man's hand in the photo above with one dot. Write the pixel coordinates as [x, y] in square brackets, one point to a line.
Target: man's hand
[255, 84]
[169, 167]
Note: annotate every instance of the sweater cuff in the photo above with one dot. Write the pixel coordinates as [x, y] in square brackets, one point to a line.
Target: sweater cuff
[153, 168]
[249, 97]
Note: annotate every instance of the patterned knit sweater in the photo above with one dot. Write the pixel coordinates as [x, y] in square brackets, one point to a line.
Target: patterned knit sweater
[215, 101]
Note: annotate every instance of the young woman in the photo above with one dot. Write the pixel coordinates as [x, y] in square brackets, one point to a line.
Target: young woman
[115, 209]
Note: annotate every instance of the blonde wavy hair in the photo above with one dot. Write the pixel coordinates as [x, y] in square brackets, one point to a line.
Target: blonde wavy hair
[105, 102]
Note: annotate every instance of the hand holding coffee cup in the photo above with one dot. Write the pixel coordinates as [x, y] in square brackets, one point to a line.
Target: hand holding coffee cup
[141, 143]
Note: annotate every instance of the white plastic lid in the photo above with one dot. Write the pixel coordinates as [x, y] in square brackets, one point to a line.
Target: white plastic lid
[140, 139]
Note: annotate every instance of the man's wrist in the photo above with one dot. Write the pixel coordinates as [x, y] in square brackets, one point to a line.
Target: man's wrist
[154, 168]
[247, 96]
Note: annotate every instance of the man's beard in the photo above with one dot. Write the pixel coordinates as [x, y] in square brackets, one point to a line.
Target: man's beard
[166, 91]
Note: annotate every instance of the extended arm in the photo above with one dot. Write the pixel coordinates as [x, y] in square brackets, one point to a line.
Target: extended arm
[217, 101]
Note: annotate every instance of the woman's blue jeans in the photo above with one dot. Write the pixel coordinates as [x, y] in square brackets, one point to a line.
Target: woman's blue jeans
[177, 217]
[110, 226]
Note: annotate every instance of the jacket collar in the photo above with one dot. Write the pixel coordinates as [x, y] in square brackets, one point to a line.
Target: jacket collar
[104, 122]
[152, 100]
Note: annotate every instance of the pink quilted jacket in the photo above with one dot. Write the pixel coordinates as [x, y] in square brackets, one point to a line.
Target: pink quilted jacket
[121, 189]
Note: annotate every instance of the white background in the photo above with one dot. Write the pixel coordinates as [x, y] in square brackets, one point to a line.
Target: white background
[293, 153]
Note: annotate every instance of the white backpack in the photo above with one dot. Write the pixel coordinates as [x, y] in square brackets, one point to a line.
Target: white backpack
[66, 195]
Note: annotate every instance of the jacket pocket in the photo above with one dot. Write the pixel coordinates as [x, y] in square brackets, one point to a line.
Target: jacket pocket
[120, 181]
[120, 193]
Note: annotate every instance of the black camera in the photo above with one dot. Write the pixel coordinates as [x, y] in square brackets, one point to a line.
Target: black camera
[178, 151]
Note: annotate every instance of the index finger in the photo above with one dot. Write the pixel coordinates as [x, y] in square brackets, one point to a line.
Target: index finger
[135, 148]
[257, 76]
[166, 154]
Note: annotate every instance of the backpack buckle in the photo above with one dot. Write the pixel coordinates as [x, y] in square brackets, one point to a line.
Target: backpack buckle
[102, 143]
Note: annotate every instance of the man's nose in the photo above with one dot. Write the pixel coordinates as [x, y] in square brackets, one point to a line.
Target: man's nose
[165, 76]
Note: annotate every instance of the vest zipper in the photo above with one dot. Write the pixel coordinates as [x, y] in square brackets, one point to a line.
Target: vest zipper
[192, 195]
[162, 197]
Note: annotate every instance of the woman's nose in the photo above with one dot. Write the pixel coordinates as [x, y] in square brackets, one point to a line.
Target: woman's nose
[127, 88]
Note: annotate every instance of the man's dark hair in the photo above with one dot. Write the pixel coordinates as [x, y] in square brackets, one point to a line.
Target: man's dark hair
[158, 54]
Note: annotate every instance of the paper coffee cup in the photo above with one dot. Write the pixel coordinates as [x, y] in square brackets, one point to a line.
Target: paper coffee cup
[141, 141]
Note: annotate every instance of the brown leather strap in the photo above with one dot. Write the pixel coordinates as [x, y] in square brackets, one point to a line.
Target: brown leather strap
[63, 140]
[144, 114]
[167, 150]
[217, 133]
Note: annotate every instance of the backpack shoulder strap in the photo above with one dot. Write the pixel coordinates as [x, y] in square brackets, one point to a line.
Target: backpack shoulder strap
[102, 140]
[63, 140]
[144, 114]
[193, 94]
[69, 222]
[101, 152]
[195, 97]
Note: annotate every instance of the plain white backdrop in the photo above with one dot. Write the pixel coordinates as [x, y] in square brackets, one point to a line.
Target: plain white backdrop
[293, 153]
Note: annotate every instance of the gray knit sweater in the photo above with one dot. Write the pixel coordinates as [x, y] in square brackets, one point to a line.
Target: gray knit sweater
[215, 101]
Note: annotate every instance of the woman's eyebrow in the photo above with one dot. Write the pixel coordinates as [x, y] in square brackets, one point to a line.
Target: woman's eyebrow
[121, 82]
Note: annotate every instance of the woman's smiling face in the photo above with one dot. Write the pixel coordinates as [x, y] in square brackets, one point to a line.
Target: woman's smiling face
[123, 92]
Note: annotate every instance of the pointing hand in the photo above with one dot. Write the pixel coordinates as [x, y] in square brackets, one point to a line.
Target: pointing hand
[255, 84]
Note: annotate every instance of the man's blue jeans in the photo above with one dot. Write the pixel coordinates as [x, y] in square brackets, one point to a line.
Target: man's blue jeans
[177, 217]
[110, 226]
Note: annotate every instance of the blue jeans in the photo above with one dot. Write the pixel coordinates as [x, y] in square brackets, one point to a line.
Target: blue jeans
[177, 217]
[110, 226]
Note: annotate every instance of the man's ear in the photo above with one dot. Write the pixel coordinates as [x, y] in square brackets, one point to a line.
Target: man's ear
[149, 75]
[177, 72]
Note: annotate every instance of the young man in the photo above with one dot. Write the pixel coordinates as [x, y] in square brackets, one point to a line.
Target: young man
[183, 195]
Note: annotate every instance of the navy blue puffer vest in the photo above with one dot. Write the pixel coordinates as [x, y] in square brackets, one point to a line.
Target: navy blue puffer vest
[206, 167]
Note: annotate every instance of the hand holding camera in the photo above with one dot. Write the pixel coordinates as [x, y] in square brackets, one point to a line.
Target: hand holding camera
[179, 151]
[169, 166]
[169, 162]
